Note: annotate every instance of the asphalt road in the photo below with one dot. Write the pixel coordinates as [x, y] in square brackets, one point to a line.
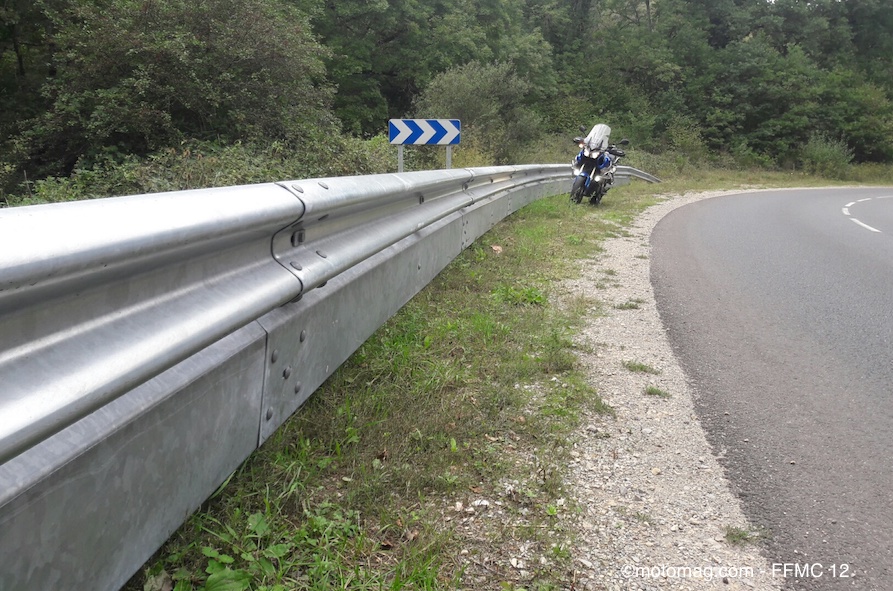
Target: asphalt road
[780, 307]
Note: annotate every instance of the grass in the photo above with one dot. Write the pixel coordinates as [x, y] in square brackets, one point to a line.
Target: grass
[737, 536]
[632, 304]
[471, 392]
[639, 367]
[655, 391]
[472, 387]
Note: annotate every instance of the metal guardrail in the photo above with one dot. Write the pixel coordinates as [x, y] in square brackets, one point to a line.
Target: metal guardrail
[627, 173]
[148, 344]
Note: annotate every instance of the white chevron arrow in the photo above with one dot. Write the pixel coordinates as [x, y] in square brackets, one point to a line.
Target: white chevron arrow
[405, 131]
[452, 131]
[427, 132]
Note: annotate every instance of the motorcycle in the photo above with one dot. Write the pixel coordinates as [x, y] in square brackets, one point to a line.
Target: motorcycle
[595, 165]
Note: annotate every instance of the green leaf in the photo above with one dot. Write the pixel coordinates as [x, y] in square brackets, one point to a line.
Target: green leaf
[278, 550]
[257, 523]
[210, 552]
[214, 567]
[228, 580]
[267, 567]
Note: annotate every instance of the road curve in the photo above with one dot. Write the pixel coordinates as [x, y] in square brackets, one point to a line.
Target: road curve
[779, 305]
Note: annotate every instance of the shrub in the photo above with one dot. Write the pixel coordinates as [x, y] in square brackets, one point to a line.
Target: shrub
[196, 164]
[133, 81]
[685, 139]
[490, 100]
[826, 156]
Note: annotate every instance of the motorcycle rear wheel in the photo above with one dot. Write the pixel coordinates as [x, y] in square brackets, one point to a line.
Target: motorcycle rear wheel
[577, 189]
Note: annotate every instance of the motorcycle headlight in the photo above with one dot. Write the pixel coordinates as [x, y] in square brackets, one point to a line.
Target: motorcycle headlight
[598, 177]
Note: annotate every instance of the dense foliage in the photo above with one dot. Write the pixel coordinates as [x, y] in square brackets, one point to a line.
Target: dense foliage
[94, 85]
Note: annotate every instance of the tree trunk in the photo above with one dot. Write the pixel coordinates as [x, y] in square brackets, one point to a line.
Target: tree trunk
[18, 49]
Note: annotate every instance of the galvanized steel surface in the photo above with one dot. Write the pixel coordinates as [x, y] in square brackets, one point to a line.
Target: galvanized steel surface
[86, 507]
[148, 344]
[629, 172]
[96, 297]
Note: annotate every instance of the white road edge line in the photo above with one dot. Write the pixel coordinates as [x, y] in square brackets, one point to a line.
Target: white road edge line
[866, 226]
[846, 211]
[850, 204]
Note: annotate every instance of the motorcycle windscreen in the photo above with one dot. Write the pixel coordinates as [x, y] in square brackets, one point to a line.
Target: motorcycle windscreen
[598, 137]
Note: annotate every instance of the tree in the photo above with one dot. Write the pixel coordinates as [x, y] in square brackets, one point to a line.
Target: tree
[384, 52]
[871, 22]
[489, 99]
[135, 75]
[819, 27]
[25, 51]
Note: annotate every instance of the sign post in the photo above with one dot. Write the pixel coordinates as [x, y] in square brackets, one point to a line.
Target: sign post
[424, 132]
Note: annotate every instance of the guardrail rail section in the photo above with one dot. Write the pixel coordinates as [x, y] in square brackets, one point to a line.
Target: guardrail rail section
[149, 344]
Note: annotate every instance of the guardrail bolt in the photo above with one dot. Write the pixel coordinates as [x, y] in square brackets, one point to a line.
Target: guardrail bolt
[297, 188]
[322, 254]
[296, 266]
[269, 413]
[298, 388]
[323, 185]
[303, 335]
[297, 238]
[286, 373]
[274, 356]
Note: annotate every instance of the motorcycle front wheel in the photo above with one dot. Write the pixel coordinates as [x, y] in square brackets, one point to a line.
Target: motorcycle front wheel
[577, 189]
[597, 196]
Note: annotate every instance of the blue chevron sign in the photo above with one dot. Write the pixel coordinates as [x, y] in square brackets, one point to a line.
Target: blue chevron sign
[424, 132]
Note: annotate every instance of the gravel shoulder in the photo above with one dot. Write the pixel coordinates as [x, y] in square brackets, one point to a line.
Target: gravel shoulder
[656, 506]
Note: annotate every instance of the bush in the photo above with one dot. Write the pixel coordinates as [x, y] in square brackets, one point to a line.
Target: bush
[826, 156]
[871, 172]
[196, 165]
[489, 99]
[686, 140]
[556, 148]
[663, 165]
[747, 157]
[133, 81]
